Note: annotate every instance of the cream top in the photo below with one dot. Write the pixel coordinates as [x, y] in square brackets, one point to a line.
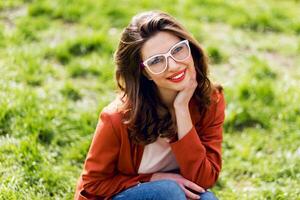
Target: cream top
[158, 157]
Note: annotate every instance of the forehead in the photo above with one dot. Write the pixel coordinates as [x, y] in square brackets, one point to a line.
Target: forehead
[159, 43]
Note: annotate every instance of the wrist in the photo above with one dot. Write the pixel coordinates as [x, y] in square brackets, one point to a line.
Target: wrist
[181, 110]
[155, 176]
[181, 107]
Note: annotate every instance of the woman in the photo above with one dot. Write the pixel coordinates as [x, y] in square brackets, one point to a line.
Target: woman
[161, 137]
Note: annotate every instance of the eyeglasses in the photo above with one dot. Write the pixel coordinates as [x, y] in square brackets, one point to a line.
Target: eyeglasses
[157, 64]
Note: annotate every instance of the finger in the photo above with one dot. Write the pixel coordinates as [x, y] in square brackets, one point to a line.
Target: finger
[193, 186]
[193, 80]
[194, 84]
[189, 194]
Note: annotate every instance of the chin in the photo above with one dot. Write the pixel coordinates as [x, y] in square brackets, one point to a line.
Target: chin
[178, 88]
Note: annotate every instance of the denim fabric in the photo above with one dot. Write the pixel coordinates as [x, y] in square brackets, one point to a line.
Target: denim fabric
[208, 196]
[158, 190]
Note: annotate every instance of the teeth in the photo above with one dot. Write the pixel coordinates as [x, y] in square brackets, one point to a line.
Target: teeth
[178, 76]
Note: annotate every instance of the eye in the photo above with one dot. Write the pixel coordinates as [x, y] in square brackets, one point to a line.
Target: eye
[177, 49]
[155, 60]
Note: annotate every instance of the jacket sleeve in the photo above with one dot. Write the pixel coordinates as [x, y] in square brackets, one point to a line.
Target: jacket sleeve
[100, 176]
[199, 154]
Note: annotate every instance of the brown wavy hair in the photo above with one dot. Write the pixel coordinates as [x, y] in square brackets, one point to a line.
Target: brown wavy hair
[144, 112]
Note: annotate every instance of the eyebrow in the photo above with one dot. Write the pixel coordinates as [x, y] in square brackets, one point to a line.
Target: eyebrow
[165, 52]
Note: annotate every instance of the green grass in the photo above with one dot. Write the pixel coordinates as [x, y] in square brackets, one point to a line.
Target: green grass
[56, 66]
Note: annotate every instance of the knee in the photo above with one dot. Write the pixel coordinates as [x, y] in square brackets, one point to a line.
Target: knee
[171, 190]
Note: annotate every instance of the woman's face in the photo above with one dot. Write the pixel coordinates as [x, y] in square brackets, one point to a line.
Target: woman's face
[177, 74]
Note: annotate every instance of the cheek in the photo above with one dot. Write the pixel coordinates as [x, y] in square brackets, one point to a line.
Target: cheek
[147, 74]
[191, 67]
[158, 78]
[193, 70]
[191, 62]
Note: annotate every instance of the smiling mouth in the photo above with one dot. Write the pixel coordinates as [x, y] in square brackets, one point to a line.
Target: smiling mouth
[178, 76]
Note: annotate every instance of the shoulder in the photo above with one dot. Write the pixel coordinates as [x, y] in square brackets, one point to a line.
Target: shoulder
[216, 109]
[110, 124]
[112, 112]
[113, 108]
[217, 96]
[217, 106]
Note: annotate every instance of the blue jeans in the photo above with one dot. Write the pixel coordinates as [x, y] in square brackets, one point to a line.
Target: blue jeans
[158, 190]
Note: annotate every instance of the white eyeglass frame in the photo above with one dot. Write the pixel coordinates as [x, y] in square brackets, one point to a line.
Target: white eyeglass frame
[167, 55]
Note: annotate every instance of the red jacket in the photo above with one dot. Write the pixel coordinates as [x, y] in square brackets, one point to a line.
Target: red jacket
[112, 161]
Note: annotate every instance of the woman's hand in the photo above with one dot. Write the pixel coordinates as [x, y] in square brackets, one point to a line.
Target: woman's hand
[182, 182]
[183, 97]
[181, 104]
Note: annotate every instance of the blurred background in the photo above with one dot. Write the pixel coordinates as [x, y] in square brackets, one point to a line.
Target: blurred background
[57, 73]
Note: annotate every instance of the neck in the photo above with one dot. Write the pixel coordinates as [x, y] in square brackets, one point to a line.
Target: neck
[168, 97]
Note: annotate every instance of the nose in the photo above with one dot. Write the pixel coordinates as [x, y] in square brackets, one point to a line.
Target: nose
[172, 64]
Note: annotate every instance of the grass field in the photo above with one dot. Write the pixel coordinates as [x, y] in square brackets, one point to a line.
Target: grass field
[57, 73]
